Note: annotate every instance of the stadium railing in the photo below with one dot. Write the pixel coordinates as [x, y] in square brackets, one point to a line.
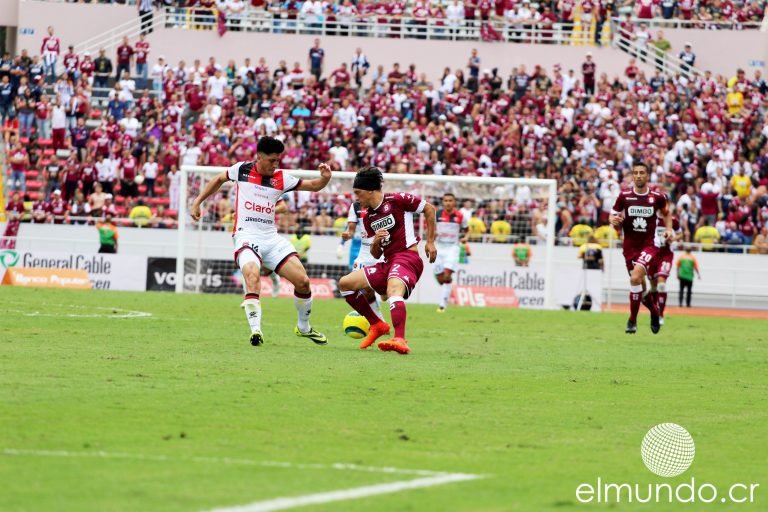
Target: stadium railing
[674, 23]
[668, 63]
[394, 27]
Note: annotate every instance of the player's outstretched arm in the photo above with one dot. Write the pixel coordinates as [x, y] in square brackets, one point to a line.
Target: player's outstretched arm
[429, 247]
[319, 183]
[211, 188]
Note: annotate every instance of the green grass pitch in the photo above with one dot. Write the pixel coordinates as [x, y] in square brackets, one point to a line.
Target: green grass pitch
[177, 412]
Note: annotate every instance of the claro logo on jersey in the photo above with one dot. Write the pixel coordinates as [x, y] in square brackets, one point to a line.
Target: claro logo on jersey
[640, 211]
[269, 208]
[383, 223]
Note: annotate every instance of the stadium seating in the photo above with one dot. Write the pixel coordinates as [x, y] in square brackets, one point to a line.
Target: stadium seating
[585, 131]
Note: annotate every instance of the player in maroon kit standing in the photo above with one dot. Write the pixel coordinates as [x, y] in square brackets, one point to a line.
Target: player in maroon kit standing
[388, 222]
[661, 266]
[637, 211]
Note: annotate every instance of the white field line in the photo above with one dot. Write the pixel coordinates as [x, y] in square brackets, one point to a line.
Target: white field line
[427, 478]
[348, 494]
[223, 460]
[110, 312]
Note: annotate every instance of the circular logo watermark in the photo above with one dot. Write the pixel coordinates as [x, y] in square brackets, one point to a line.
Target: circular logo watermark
[668, 449]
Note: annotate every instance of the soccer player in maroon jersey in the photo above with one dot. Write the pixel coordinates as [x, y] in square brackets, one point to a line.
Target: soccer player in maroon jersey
[636, 211]
[388, 222]
[661, 266]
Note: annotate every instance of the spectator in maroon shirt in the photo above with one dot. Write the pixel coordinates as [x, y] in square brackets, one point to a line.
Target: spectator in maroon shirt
[196, 102]
[19, 159]
[71, 178]
[15, 207]
[124, 57]
[41, 211]
[58, 208]
[341, 79]
[142, 69]
[588, 70]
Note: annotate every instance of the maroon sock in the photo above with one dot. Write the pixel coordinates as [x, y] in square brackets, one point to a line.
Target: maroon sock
[662, 302]
[359, 303]
[634, 304]
[397, 311]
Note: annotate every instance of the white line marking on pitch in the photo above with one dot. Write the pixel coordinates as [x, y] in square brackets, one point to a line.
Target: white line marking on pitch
[224, 460]
[348, 494]
[111, 312]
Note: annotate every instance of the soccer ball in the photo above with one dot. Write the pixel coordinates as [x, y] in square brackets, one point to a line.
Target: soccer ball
[139, 179]
[355, 325]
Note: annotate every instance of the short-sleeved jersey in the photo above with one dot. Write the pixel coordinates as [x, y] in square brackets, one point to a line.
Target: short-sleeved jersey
[640, 218]
[356, 213]
[450, 226]
[256, 197]
[395, 214]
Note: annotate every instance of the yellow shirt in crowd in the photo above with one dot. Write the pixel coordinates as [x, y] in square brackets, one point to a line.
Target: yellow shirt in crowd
[501, 229]
[735, 102]
[476, 228]
[603, 232]
[707, 236]
[579, 234]
[742, 185]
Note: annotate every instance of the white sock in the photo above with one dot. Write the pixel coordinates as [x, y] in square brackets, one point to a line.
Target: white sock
[275, 284]
[304, 309]
[446, 295]
[376, 307]
[253, 313]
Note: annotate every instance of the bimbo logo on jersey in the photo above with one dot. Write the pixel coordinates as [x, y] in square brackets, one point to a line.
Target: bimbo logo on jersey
[640, 211]
[383, 223]
[269, 208]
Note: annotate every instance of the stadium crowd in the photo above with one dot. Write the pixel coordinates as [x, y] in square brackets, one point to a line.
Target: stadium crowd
[70, 158]
[730, 14]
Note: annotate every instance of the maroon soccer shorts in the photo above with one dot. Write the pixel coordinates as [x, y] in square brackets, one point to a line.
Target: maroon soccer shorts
[405, 266]
[644, 258]
[661, 265]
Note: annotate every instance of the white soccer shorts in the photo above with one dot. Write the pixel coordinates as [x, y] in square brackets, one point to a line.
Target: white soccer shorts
[364, 261]
[269, 252]
[447, 258]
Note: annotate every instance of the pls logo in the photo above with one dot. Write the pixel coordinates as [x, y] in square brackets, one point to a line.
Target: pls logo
[8, 259]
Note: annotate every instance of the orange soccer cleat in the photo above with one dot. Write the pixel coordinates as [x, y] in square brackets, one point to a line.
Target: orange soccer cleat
[399, 345]
[375, 332]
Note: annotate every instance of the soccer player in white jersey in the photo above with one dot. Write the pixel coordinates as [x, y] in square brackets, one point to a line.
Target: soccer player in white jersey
[258, 187]
[364, 257]
[452, 228]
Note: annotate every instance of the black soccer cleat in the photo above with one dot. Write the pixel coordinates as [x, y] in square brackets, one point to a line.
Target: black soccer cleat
[655, 324]
[631, 327]
[257, 339]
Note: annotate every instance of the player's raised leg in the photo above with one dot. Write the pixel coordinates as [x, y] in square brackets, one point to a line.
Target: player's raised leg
[353, 288]
[292, 269]
[250, 266]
